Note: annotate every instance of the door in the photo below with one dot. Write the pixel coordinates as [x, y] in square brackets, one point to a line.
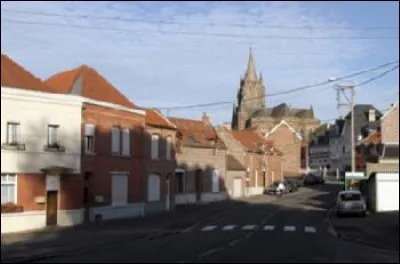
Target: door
[237, 187]
[198, 185]
[51, 208]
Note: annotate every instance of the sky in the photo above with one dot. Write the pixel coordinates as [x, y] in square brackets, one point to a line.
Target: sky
[165, 54]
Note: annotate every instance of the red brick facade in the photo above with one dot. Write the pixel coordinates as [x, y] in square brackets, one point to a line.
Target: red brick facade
[98, 166]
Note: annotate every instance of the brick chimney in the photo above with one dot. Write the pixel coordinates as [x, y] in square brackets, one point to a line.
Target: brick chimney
[206, 118]
[371, 115]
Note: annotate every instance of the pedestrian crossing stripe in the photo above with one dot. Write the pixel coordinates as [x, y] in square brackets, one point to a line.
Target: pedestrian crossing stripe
[288, 228]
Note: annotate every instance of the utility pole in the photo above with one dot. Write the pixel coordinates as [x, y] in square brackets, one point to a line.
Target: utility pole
[341, 91]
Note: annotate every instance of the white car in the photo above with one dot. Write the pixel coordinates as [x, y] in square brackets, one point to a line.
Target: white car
[350, 202]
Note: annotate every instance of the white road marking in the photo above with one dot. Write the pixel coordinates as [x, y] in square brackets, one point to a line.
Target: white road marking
[210, 252]
[249, 227]
[269, 227]
[209, 228]
[228, 227]
[310, 229]
[289, 228]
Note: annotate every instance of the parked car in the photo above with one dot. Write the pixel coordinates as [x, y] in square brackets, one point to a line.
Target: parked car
[350, 202]
[291, 185]
[274, 190]
[312, 179]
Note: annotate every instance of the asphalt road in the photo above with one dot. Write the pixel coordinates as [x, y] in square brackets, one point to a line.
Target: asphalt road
[291, 229]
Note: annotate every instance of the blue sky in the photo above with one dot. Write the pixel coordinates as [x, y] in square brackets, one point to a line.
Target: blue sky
[201, 56]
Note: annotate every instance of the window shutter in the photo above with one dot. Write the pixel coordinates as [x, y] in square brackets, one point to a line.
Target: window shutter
[215, 181]
[115, 144]
[126, 143]
[168, 148]
[154, 146]
[89, 130]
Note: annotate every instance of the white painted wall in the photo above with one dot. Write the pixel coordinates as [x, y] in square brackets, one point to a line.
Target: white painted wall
[18, 222]
[185, 199]
[70, 217]
[115, 212]
[34, 111]
[213, 197]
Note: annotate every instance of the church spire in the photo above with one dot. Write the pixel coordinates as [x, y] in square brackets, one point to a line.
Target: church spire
[251, 68]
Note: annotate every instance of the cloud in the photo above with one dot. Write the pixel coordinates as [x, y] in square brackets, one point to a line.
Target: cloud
[165, 64]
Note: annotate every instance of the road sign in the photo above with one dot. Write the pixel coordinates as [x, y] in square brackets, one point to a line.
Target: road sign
[357, 175]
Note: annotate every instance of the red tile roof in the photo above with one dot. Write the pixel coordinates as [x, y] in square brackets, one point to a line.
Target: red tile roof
[249, 139]
[155, 118]
[94, 86]
[197, 133]
[14, 75]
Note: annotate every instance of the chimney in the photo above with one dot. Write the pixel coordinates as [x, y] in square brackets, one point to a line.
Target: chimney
[205, 118]
[371, 115]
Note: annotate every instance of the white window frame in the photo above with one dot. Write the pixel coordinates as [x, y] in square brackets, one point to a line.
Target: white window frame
[168, 148]
[50, 140]
[6, 181]
[115, 140]
[126, 142]
[155, 146]
[119, 193]
[90, 132]
[156, 195]
[215, 188]
[12, 135]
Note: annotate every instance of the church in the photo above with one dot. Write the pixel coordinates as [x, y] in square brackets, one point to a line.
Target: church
[250, 111]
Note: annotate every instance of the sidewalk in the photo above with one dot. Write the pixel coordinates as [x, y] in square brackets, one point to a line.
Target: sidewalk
[22, 247]
[378, 230]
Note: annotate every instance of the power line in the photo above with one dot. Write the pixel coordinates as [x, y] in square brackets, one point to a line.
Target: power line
[240, 25]
[301, 88]
[202, 34]
[378, 76]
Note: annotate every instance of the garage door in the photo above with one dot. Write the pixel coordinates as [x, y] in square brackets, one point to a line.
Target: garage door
[237, 187]
[387, 192]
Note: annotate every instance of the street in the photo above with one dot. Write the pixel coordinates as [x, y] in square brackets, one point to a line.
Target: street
[291, 229]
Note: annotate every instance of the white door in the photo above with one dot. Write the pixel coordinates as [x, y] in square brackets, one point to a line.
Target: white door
[387, 192]
[237, 187]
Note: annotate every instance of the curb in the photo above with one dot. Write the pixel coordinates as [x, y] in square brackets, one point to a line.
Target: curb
[341, 235]
[114, 243]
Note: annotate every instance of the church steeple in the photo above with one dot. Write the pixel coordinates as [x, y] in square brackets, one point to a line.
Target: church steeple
[251, 68]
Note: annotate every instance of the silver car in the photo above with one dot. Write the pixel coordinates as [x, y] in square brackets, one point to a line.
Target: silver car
[350, 202]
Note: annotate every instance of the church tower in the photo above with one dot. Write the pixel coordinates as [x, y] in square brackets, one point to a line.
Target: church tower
[250, 96]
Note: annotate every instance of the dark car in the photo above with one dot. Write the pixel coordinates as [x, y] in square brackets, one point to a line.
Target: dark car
[291, 185]
[313, 179]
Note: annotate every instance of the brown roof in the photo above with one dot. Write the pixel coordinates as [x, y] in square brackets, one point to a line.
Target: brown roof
[197, 133]
[87, 82]
[374, 138]
[233, 164]
[249, 138]
[155, 118]
[14, 75]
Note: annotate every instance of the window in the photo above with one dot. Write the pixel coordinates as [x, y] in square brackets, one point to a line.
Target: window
[89, 138]
[215, 180]
[153, 193]
[180, 181]
[119, 191]
[8, 188]
[126, 142]
[12, 133]
[115, 140]
[168, 149]
[154, 146]
[52, 135]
